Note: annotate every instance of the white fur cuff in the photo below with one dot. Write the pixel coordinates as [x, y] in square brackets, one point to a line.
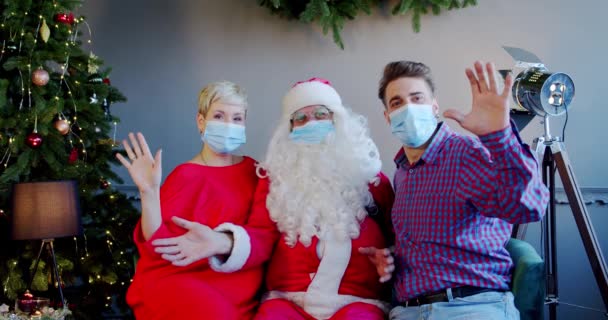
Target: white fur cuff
[241, 249]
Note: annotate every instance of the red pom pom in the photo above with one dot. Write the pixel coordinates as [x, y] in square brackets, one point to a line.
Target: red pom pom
[315, 79]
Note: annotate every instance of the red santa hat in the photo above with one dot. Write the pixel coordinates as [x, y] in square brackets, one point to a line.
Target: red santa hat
[315, 91]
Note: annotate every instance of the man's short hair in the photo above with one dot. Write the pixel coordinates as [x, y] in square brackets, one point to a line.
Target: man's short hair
[404, 69]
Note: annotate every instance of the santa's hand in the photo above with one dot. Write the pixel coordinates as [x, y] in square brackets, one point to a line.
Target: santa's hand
[198, 243]
[382, 260]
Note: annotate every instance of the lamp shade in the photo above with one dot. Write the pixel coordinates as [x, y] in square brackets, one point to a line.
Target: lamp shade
[45, 210]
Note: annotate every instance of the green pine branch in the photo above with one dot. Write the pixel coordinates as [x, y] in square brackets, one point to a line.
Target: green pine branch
[332, 14]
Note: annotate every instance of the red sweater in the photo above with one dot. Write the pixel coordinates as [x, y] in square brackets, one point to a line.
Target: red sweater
[211, 196]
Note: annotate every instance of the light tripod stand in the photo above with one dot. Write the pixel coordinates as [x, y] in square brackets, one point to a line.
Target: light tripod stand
[538, 92]
[552, 151]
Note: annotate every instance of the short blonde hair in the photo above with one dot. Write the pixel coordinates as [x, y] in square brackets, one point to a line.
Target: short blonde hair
[224, 91]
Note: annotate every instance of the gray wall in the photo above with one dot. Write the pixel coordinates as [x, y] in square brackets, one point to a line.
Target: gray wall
[163, 52]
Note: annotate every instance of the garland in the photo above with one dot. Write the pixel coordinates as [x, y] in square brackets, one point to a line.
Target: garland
[332, 14]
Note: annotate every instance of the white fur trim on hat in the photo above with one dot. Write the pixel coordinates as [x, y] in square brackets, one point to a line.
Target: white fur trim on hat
[311, 93]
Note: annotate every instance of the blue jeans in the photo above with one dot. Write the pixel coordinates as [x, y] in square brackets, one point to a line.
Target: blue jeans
[486, 305]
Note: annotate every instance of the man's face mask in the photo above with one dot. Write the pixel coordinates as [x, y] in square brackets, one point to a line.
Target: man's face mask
[224, 137]
[413, 124]
[313, 132]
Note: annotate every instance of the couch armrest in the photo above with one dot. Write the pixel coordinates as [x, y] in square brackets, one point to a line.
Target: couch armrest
[528, 280]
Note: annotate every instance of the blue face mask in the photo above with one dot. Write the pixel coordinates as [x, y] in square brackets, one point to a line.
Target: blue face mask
[313, 132]
[224, 137]
[413, 124]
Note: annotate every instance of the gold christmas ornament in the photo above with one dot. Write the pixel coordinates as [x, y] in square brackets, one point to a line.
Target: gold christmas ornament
[93, 65]
[40, 77]
[45, 31]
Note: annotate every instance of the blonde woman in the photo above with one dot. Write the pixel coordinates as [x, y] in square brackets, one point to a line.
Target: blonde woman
[213, 188]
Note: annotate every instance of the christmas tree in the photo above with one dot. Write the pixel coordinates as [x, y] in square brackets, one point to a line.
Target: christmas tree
[55, 124]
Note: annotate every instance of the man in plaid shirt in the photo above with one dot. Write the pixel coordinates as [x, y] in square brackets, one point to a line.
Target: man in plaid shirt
[456, 196]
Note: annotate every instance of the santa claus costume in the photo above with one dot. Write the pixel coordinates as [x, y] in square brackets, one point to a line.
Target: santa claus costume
[210, 196]
[309, 217]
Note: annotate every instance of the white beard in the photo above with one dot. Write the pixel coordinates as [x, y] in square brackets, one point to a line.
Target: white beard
[321, 188]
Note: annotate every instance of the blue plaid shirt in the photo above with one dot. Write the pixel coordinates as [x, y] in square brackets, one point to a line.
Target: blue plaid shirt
[454, 210]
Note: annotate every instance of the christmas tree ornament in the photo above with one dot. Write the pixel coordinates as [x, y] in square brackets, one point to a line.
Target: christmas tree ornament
[63, 126]
[40, 77]
[95, 78]
[65, 18]
[104, 184]
[33, 140]
[106, 81]
[93, 65]
[73, 155]
[105, 105]
[11, 46]
[45, 31]
[93, 99]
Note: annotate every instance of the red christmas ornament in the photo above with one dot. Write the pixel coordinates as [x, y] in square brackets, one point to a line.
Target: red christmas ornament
[33, 140]
[62, 126]
[104, 184]
[40, 77]
[66, 18]
[73, 155]
[106, 81]
[26, 302]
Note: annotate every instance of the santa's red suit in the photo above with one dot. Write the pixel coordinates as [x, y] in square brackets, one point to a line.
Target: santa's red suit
[325, 280]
